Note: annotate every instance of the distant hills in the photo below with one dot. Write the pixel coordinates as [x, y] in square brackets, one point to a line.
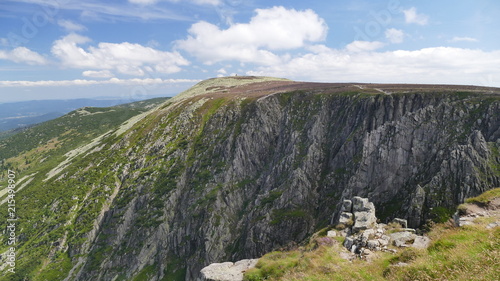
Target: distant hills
[22, 114]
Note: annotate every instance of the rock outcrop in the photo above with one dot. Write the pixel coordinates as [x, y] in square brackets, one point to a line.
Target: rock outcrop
[366, 235]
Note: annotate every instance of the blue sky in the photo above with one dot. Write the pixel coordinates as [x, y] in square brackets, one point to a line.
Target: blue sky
[134, 49]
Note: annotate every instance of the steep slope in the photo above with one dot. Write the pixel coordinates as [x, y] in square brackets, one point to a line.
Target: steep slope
[232, 170]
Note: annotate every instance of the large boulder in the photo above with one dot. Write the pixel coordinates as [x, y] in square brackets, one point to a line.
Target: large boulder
[227, 271]
[402, 239]
[346, 219]
[364, 214]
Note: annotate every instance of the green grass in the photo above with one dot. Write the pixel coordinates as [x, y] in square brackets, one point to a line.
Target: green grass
[466, 253]
[469, 253]
[485, 197]
[274, 265]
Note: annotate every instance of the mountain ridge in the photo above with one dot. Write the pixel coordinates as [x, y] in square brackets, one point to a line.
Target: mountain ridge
[236, 171]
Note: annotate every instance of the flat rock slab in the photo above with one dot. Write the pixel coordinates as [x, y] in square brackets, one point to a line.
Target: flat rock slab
[401, 239]
[227, 271]
[421, 242]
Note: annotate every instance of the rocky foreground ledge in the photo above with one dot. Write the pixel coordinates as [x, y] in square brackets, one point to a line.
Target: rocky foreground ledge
[363, 236]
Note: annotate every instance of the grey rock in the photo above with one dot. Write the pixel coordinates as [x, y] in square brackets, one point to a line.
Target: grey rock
[372, 244]
[227, 271]
[367, 252]
[383, 242]
[493, 225]
[331, 233]
[346, 219]
[347, 256]
[402, 222]
[348, 243]
[421, 242]
[362, 205]
[347, 206]
[402, 239]
[364, 213]
[364, 220]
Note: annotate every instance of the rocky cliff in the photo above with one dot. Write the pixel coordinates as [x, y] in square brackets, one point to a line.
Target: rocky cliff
[237, 167]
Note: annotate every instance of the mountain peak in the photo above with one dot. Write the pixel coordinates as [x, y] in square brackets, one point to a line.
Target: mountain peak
[224, 84]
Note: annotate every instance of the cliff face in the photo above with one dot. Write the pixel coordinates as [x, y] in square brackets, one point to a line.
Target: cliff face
[237, 171]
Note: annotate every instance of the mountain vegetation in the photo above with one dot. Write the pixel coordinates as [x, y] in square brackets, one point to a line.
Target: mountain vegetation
[456, 253]
[18, 115]
[235, 168]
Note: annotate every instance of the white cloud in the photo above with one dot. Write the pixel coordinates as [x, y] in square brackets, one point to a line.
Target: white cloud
[107, 10]
[83, 82]
[143, 2]
[394, 35]
[198, 2]
[71, 26]
[126, 58]
[208, 2]
[411, 16]
[363, 46]
[23, 55]
[463, 39]
[98, 74]
[271, 29]
[440, 65]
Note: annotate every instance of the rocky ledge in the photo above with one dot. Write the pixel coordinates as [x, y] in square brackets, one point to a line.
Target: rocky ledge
[363, 236]
[467, 214]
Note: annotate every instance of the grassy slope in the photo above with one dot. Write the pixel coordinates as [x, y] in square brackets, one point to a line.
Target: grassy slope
[44, 206]
[466, 253]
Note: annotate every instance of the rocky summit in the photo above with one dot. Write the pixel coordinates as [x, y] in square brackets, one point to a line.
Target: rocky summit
[237, 167]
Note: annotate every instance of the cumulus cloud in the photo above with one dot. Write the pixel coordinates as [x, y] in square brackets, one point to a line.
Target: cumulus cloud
[126, 58]
[429, 65]
[23, 55]
[394, 35]
[269, 30]
[411, 16]
[71, 26]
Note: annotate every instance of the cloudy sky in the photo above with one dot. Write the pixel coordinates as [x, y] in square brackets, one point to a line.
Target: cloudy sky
[144, 48]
